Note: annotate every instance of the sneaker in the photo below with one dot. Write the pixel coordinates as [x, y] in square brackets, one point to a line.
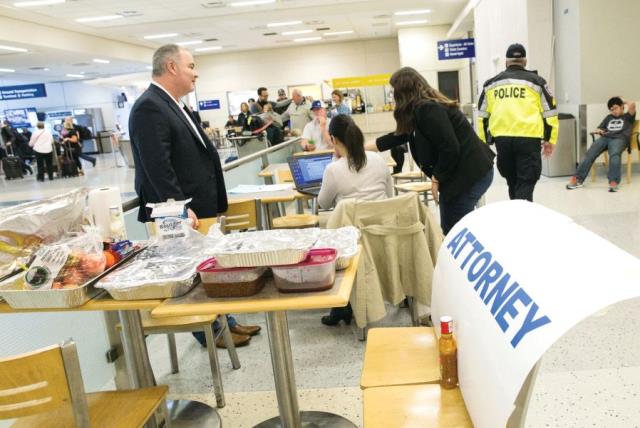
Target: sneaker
[614, 186]
[574, 183]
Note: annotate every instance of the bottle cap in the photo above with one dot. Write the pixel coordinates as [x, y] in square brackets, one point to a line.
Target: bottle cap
[446, 324]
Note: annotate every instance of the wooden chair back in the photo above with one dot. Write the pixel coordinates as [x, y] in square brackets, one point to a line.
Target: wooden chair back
[242, 214]
[43, 381]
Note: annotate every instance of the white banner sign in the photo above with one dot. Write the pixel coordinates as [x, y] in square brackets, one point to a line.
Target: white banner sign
[515, 277]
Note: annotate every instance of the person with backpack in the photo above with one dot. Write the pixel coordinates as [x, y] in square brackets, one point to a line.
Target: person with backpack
[83, 134]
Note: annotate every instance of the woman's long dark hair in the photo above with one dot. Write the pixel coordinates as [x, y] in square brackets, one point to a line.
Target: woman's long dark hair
[347, 132]
[411, 89]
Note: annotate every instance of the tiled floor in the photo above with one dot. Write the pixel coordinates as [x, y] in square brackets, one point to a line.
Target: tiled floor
[590, 377]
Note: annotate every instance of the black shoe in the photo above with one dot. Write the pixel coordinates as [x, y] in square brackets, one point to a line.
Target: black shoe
[337, 314]
[94, 162]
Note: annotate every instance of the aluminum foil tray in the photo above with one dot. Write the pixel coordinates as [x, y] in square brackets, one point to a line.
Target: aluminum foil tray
[344, 240]
[265, 248]
[52, 299]
[154, 291]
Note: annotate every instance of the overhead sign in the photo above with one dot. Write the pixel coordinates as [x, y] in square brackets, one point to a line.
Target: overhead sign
[514, 291]
[61, 114]
[19, 92]
[456, 49]
[209, 105]
[357, 82]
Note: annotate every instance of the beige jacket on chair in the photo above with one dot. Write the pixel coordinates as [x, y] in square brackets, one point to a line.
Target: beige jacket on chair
[400, 240]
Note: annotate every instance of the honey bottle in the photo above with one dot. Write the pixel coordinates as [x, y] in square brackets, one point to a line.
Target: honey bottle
[448, 354]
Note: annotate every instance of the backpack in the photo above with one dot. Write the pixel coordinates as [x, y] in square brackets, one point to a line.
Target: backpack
[255, 122]
[84, 133]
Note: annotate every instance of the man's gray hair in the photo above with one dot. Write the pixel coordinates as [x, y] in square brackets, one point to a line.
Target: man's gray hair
[297, 92]
[163, 55]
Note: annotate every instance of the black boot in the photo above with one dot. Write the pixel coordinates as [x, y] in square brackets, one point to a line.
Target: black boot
[345, 314]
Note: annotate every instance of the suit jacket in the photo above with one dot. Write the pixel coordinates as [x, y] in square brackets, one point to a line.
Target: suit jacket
[170, 159]
[445, 145]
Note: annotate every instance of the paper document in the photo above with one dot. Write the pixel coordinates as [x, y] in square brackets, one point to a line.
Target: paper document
[259, 188]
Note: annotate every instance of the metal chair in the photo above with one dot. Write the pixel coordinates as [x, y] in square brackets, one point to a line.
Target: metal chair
[44, 388]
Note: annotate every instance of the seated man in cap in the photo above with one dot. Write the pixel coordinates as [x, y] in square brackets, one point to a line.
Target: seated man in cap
[614, 131]
[316, 133]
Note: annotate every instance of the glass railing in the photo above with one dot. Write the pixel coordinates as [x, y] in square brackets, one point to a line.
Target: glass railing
[244, 170]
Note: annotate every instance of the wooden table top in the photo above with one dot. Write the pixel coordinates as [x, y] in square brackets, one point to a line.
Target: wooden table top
[415, 406]
[102, 302]
[400, 356]
[271, 169]
[269, 299]
[267, 197]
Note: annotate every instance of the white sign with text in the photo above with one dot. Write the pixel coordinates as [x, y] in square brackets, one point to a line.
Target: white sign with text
[516, 276]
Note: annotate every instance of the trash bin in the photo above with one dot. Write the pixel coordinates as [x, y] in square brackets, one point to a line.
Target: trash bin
[563, 160]
[104, 141]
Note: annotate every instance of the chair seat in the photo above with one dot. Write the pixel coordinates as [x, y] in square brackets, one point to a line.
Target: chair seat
[415, 406]
[175, 323]
[400, 356]
[113, 409]
[296, 221]
[417, 186]
[411, 175]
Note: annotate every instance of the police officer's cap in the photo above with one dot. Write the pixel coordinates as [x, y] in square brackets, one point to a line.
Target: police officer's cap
[516, 50]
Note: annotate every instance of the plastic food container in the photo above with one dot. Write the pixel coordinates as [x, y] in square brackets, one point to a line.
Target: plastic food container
[230, 282]
[316, 273]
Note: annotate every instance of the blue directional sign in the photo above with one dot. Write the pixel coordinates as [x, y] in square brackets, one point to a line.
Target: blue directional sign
[456, 49]
[209, 104]
[20, 92]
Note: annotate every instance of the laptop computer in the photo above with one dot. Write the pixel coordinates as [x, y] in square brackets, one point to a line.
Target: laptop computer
[307, 171]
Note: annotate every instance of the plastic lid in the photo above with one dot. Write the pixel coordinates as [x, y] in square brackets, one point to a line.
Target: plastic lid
[211, 265]
[446, 324]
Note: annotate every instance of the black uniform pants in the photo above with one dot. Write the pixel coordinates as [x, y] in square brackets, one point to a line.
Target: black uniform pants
[520, 162]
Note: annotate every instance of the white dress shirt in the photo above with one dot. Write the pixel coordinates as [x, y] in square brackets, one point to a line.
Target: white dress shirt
[41, 141]
[181, 106]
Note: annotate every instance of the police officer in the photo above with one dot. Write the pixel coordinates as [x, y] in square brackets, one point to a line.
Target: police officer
[518, 113]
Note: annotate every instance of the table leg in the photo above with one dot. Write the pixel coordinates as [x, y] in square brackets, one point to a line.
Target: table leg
[183, 413]
[286, 392]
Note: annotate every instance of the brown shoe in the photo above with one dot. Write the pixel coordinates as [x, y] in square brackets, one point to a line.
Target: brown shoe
[250, 330]
[238, 340]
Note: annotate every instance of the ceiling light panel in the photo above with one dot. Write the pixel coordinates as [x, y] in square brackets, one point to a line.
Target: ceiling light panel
[250, 3]
[101, 61]
[160, 36]
[79, 76]
[37, 3]
[210, 48]
[99, 18]
[13, 49]
[190, 43]
[417, 22]
[338, 33]
[412, 12]
[283, 24]
[307, 39]
[7, 70]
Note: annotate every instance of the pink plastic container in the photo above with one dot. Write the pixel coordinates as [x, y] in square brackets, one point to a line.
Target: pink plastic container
[316, 273]
[230, 282]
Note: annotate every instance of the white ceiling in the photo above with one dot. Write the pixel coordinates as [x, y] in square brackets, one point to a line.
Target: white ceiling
[233, 28]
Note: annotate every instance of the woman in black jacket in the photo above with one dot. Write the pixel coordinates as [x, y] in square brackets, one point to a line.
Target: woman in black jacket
[243, 116]
[443, 144]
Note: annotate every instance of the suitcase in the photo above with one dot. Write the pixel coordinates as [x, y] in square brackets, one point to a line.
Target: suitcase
[12, 166]
[68, 166]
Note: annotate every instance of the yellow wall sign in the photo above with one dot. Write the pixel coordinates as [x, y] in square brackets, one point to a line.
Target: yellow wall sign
[356, 82]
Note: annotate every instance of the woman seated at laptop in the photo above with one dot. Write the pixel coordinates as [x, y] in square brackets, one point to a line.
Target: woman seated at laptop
[356, 173]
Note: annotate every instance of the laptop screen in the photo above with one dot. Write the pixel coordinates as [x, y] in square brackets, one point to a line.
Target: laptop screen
[308, 170]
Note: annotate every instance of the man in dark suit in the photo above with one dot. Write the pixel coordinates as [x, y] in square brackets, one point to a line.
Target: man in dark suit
[173, 156]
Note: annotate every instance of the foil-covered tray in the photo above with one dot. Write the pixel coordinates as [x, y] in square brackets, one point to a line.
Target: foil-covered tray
[16, 297]
[344, 240]
[165, 269]
[265, 247]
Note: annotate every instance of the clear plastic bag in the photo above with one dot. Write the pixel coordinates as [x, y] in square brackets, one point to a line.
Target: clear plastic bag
[26, 227]
[67, 264]
[164, 263]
